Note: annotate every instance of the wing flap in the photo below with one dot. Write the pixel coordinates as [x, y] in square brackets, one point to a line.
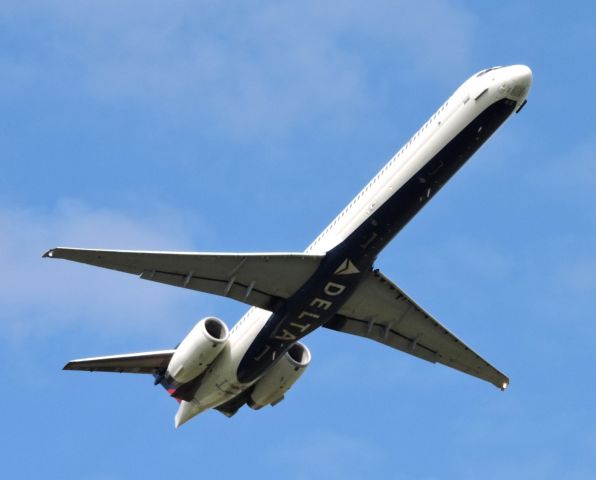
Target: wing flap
[144, 362]
[260, 279]
[246, 293]
[381, 311]
[379, 333]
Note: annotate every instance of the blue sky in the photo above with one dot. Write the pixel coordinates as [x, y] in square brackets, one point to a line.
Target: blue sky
[246, 126]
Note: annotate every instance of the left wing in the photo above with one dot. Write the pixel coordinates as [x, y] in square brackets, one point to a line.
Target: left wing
[381, 311]
[145, 362]
[260, 279]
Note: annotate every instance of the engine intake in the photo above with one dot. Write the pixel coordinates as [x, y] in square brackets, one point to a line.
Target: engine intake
[299, 355]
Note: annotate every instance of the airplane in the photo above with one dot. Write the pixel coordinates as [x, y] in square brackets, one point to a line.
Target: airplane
[333, 283]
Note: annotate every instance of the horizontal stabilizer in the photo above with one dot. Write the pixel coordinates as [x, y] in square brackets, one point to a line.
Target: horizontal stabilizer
[260, 279]
[144, 362]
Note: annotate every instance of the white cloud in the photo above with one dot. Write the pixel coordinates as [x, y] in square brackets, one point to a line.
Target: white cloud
[267, 66]
[39, 294]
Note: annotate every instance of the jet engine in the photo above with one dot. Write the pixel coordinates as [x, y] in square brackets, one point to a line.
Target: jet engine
[198, 349]
[270, 389]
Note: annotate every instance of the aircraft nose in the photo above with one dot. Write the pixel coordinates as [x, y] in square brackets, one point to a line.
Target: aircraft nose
[521, 76]
[516, 84]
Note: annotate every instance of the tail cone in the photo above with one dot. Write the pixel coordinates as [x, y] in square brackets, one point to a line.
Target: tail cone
[186, 411]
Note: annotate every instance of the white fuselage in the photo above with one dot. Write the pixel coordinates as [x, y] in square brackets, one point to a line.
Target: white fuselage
[474, 96]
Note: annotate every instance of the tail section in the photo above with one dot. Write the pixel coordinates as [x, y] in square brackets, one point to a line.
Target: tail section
[186, 411]
[154, 363]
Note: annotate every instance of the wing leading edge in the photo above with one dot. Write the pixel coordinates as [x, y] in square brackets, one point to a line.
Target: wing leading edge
[381, 311]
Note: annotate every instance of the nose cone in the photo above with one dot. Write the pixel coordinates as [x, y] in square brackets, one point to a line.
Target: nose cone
[516, 83]
[522, 76]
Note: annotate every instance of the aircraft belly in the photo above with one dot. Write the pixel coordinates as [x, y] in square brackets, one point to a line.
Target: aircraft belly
[343, 267]
[312, 306]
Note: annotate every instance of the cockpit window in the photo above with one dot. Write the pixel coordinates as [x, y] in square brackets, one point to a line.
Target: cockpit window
[479, 74]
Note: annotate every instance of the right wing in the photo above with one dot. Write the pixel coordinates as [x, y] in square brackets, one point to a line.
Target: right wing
[145, 362]
[259, 279]
[381, 311]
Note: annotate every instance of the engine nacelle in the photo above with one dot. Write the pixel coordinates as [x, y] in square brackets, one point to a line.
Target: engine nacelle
[198, 349]
[277, 381]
